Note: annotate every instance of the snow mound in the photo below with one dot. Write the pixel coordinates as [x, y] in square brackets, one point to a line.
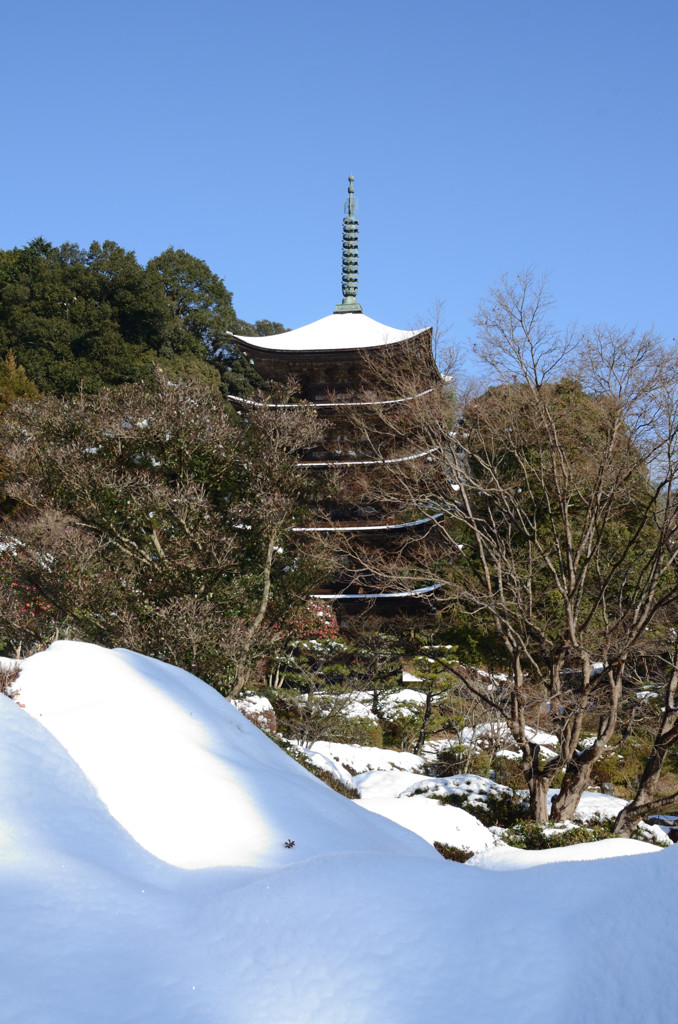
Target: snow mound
[510, 858]
[327, 764]
[188, 777]
[434, 822]
[385, 784]
[359, 922]
[592, 804]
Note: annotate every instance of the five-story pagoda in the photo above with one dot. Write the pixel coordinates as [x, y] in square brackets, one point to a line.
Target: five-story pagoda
[352, 369]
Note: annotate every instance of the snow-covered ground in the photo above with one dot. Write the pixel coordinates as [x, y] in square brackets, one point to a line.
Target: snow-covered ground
[163, 862]
[510, 858]
[365, 759]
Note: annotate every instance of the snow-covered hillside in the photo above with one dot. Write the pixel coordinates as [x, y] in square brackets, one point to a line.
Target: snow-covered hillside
[163, 862]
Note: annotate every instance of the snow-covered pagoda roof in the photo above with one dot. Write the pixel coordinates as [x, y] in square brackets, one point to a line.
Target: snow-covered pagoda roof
[338, 331]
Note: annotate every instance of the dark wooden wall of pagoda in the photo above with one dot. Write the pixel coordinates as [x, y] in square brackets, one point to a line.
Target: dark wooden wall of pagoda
[343, 384]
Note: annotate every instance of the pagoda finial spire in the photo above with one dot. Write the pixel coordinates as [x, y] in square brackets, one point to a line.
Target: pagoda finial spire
[349, 255]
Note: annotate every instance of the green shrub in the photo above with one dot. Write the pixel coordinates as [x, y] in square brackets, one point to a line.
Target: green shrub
[531, 835]
[458, 760]
[321, 716]
[400, 732]
[508, 771]
[363, 731]
[623, 765]
[460, 854]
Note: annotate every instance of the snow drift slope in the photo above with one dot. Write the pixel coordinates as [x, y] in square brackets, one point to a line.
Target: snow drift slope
[360, 922]
[187, 775]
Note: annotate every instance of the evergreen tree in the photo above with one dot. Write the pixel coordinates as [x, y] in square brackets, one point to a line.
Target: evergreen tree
[14, 383]
[82, 319]
[200, 298]
[204, 306]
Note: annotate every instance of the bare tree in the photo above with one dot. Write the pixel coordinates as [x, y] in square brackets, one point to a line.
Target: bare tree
[446, 353]
[516, 340]
[552, 522]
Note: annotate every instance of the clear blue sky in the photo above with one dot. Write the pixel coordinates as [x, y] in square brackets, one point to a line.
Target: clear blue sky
[484, 136]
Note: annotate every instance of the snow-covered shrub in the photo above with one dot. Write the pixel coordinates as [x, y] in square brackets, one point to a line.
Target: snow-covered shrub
[532, 835]
[495, 809]
[257, 710]
[327, 777]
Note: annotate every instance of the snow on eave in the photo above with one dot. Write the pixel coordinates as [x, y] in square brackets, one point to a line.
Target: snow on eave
[327, 405]
[370, 462]
[336, 331]
[372, 597]
[357, 529]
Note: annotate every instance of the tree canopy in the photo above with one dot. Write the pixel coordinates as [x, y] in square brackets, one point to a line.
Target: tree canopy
[151, 516]
[83, 319]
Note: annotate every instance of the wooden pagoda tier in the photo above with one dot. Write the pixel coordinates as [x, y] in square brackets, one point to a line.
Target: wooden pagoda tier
[350, 366]
[332, 359]
[352, 369]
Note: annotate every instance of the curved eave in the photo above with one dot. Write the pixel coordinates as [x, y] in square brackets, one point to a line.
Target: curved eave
[419, 592]
[328, 405]
[369, 462]
[349, 332]
[359, 529]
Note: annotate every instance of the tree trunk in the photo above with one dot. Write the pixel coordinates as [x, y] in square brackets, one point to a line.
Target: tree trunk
[538, 788]
[240, 680]
[645, 799]
[580, 765]
[241, 674]
[428, 707]
[266, 590]
[577, 778]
